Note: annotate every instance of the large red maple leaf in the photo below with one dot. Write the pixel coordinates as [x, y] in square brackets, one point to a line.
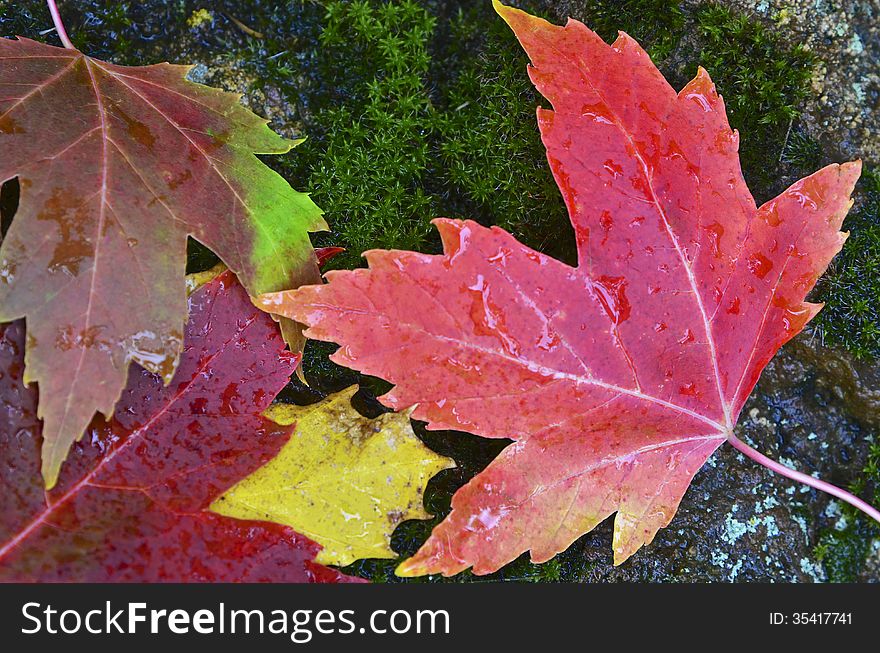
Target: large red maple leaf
[131, 502]
[616, 379]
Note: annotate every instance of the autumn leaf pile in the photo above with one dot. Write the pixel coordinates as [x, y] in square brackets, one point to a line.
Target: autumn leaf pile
[615, 379]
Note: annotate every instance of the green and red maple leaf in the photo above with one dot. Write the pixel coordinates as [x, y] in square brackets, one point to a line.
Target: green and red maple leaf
[117, 167]
[618, 378]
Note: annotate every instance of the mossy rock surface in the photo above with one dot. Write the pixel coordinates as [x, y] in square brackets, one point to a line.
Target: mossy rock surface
[417, 109]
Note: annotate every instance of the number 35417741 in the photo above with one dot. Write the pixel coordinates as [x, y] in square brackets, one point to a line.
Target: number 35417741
[811, 618]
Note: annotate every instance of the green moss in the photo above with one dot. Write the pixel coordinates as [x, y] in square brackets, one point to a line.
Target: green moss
[851, 287]
[658, 25]
[763, 81]
[842, 554]
[802, 152]
[843, 548]
[489, 143]
[369, 163]
[390, 149]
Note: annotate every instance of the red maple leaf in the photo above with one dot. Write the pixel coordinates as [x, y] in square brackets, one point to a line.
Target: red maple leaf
[130, 504]
[616, 379]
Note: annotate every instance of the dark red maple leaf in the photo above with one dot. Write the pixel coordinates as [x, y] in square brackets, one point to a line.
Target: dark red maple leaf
[616, 379]
[131, 500]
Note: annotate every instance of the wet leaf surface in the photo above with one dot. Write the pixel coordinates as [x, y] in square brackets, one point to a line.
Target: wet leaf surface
[343, 480]
[131, 502]
[117, 166]
[616, 379]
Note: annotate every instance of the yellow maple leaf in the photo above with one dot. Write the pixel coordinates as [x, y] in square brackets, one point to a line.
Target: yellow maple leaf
[343, 480]
[196, 280]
